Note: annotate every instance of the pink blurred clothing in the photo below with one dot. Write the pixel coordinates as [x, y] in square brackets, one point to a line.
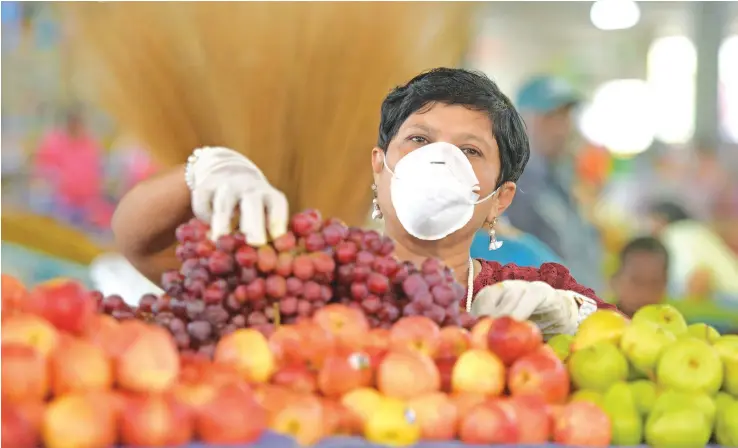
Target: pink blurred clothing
[73, 167]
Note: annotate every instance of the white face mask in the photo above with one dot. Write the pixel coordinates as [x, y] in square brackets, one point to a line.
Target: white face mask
[434, 191]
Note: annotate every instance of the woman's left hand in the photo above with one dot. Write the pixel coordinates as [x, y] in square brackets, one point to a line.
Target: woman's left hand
[554, 311]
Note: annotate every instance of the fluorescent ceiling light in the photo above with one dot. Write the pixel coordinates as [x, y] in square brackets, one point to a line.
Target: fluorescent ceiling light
[614, 14]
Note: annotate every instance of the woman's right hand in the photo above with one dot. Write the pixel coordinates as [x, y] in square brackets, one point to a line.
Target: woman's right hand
[221, 179]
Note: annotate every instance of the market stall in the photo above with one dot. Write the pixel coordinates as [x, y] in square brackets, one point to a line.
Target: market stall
[292, 351]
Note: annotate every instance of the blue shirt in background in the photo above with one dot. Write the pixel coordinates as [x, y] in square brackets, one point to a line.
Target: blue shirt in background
[523, 250]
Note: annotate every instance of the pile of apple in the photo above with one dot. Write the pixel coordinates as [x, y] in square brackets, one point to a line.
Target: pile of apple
[74, 378]
[660, 380]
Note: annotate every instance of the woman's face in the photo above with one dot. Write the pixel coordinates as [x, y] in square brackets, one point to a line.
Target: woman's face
[470, 131]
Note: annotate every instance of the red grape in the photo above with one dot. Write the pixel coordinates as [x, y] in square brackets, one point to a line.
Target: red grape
[246, 256]
[275, 286]
[285, 243]
[303, 267]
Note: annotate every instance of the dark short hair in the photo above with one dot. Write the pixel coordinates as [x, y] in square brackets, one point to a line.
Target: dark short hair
[645, 244]
[469, 89]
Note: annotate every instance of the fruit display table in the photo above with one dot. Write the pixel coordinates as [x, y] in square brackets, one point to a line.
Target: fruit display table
[271, 440]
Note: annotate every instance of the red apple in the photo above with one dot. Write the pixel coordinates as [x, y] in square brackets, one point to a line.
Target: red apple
[488, 424]
[17, 430]
[478, 371]
[273, 398]
[453, 342]
[343, 371]
[533, 418]
[315, 343]
[302, 419]
[149, 361]
[465, 402]
[348, 326]
[512, 339]
[154, 420]
[582, 423]
[540, 373]
[65, 303]
[80, 420]
[232, 416]
[14, 295]
[437, 416]
[248, 351]
[296, 377]
[286, 345]
[377, 338]
[25, 375]
[338, 420]
[79, 366]
[407, 374]
[479, 333]
[415, 333]
[30, 330]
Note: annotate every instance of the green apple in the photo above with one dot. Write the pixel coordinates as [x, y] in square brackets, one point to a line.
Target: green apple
[591, 396]
[726, 426]
[597, 367]
[644, 394]
[627, 425]
[727, 349]
[642, 344]
[561, 345]
[601, 326]
[672, 399]
[722, 400]
[690, 365]
[704, 332]
[665, 315]
[678, 428]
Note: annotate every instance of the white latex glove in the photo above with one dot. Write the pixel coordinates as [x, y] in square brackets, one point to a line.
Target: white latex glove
[554, 311]
[113, 274]
[223, 179]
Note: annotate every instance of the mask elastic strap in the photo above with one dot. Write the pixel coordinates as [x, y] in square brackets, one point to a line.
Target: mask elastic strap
[384, 161]
[486, 197]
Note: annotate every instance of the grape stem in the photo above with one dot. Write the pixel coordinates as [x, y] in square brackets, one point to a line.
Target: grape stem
[277, 315]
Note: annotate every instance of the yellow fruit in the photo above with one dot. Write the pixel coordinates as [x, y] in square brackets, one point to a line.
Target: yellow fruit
[601, 326]
[393, 424]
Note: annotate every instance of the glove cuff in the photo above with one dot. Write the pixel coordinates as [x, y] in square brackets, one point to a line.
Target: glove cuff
[190, 167]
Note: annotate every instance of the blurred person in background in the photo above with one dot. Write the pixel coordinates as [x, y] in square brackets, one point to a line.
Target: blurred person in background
[69, 164]
[642, 275]
[701, 263]
[520, 248]
[546, 206]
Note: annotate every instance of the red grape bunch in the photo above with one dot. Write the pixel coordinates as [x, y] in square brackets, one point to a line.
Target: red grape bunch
[225, 285]
[371, 279]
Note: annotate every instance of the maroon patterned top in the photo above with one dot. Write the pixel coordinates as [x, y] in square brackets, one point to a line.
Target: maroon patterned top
[554, 274]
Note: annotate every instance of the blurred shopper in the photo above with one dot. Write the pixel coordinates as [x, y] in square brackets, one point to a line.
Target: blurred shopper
[69, 161]
[545, 206]
[642, 277]
[701, 261]
[520, 248]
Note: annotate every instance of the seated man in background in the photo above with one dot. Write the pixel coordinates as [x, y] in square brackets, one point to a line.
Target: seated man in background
[702, 264]
[642, 276]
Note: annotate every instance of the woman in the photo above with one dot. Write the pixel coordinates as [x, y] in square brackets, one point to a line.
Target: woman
[451, 146]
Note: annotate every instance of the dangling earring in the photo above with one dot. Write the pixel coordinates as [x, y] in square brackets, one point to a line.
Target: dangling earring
[376, 212]
[493, 243]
